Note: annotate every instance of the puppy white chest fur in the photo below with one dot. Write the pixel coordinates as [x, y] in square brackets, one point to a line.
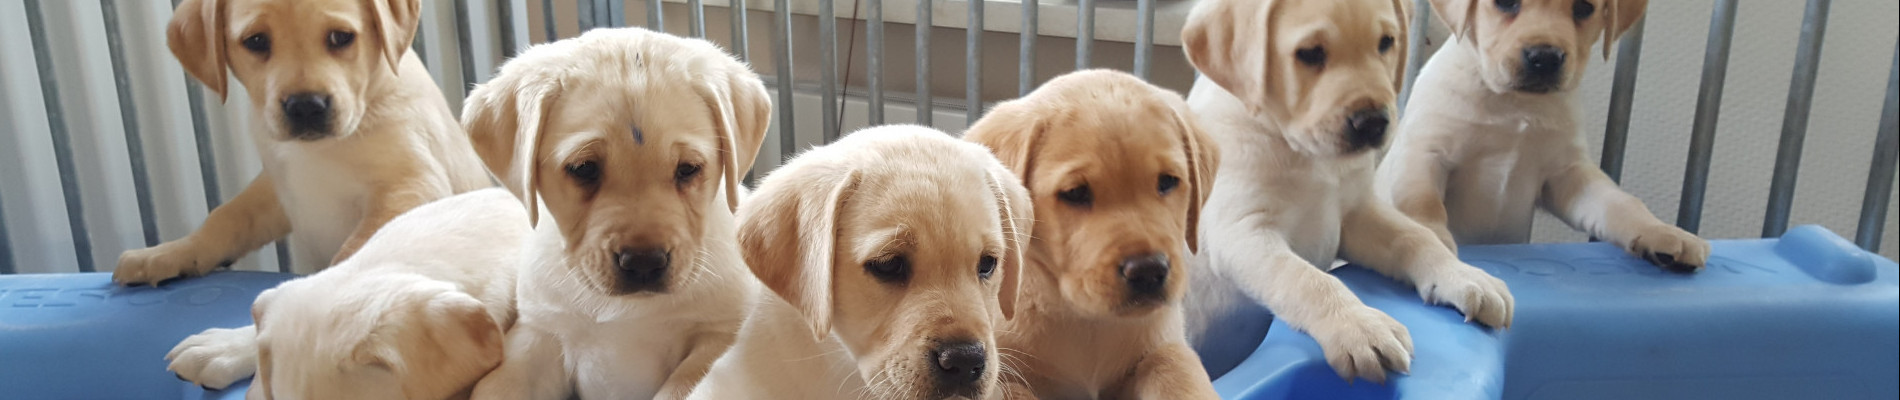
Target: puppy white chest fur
[322, 194]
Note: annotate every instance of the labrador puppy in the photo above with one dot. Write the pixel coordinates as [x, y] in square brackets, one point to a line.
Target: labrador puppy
[350, 128]
[1492, 133]
[1297, 96]
[1117, 170]
[893, 256]
[626, 146]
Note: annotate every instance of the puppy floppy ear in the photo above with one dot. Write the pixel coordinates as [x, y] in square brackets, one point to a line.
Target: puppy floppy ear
[394, 23]
[1203, 158]
[1018, 213]
[504, 119]
[1459, 15]
[1230, 42]
[788, 234]
[1013, 133]
[196, 38]
[1401, 41]
[1620, 16]
[738, 101]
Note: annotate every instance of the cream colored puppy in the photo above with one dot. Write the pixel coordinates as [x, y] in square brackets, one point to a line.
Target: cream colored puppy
[349, 126]
[630, 144]
[1118, 170]
[1491, 134]
[418, 314]
[1297, 95]
[893, 255]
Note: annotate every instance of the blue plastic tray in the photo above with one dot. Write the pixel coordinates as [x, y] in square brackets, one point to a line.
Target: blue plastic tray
[1808, 316]
[78, 336]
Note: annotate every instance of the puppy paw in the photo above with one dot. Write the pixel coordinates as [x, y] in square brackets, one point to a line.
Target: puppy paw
[215, 358]
[1472, 291]
[1671, 248]
[149, 266]
[1362, 342]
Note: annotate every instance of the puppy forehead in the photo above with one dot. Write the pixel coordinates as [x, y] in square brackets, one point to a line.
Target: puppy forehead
[1346, 20]
[249, 16]
[610, 116]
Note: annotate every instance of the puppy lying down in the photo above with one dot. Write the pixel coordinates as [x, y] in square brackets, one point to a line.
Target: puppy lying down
[893, 257]
[418, 313]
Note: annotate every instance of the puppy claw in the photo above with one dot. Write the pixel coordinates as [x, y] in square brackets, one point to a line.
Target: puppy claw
[1670, 248]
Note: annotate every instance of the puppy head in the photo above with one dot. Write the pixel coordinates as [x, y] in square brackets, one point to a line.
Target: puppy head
[307, 64]
[1325, 72]
[1537, 46]
[917, 237]
[397, 337]
[1118, 172]
[630, 138]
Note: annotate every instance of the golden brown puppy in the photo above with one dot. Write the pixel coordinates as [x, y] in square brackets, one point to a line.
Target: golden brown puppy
[349, 126]
[893, 256]
[1117, 170]
[1493, 133]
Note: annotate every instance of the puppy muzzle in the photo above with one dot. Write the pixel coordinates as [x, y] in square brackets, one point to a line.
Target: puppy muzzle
[959, 368]
[309, 116]
[639, 269]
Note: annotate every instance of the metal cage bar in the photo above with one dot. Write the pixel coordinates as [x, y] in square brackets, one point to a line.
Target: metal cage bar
[129, 119]
[505, 22]
[695, 18]
[828, 66]
[1695, 180]
[741, 45]
[874, 62]
[1084, 33]
[782, 57]
[201, 134]
[465, 43]
[1026, 70]
[1144, 37]
[973, 59]
[62, 139]
[1873, 204]
[6, 243]
[1794, 123]
[548, 23]
[656, 15]
[924, 25]
[1415, 41]
[584, 14]
[1616, 131]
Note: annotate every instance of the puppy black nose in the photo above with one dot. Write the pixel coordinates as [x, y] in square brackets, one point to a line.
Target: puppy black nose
[1543, 62]
[1146, 274]
[960, 364]
[308, 114]
[1366, 128]
[641, 268]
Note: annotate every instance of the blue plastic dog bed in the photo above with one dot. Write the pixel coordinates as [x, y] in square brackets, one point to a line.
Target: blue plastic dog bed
[79, 336]
[1807, 316]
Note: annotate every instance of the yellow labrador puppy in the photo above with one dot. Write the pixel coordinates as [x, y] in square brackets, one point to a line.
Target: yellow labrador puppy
[350, 128]
[893, 255]
[1298, 94]
[1117, 169]
[1492, 132]
[626, 146]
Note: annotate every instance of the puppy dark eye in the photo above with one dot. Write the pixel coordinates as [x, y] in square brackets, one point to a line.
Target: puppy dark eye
[1507, 6]
[685, 172]
[585, 172]
[340, 39]
[895, 269]
[1582, 10]
[985, 266]
[1166, 184]
[1079, 196]
[1312, 56]
[258, 43]
[1385, 44]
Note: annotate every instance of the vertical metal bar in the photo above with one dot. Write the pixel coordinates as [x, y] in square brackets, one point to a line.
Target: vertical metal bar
[1144, 36]
[1084, 33]
[696, 13]
[874, 61]
[62, 140]
[6, 243]
[1695, 181]
[1416, 40]
[465, 43]
[973, 72]
[1026, 70]
[547, 21]
[201, 134]
[741, 45]
[828, 66]
[782, 58]
[1616, 132]
[505, 22]
[604, 13]
[924, 25]
[584, 14]
[1794, 122]
[1873, 204]
[284, 263]
[656, 16]
[129, 119]
[417, 45]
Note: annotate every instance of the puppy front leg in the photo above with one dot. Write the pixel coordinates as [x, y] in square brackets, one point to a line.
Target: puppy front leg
[1378, 237]
[385, 205]
[1588, 200]
[698, 361]
[533, 367]
[1359, 341]
[1415, 184]
[249, 221]
[1170, 372]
